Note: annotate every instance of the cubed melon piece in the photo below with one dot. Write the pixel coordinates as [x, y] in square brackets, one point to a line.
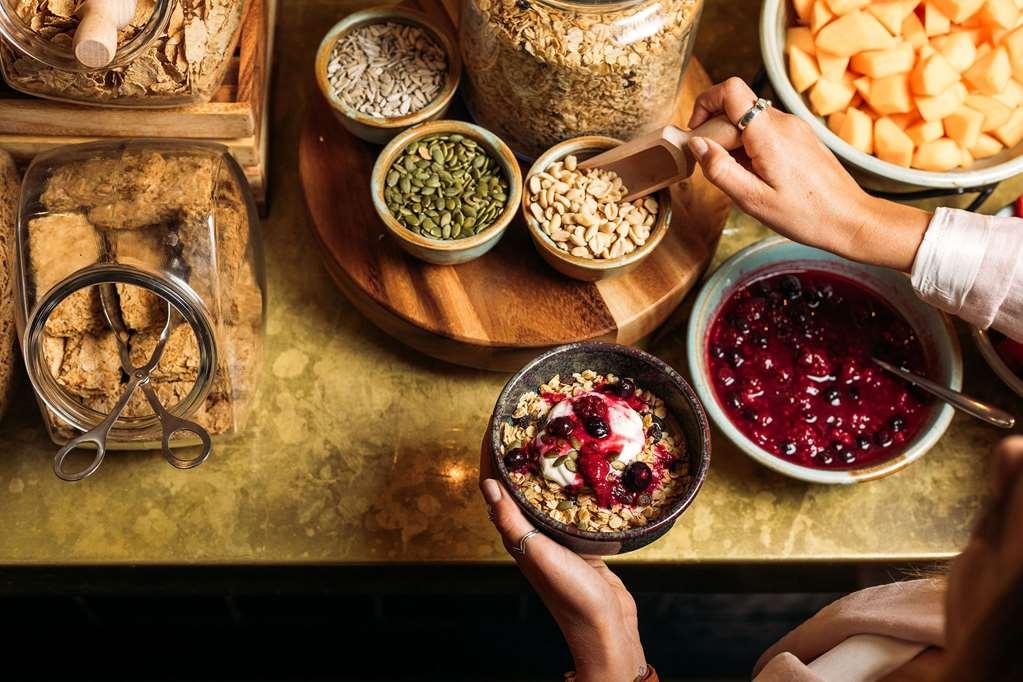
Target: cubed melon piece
[990, 73]
[913, 31]
[801, 37]
[835, 121]
[966, 157]
[891, 143]
[1013, 42]
[881, 63]
[831, 66]
[892, 13]
[802, 69]
[958, 11]
[939, 106]
[840, 7]
[935, 23]
[1002, 13]
[925, 131]
[862, 85]
[854, 32]
[933, 75]
[858, 130]
[803, 10]
[996, 113]
[828, 96]
[890, 95]
[820, 16]
[958, 48]
[938, 155]
[904, 120]
[1012, 94]
[985, 146]
[1011, 132]
[963, 125]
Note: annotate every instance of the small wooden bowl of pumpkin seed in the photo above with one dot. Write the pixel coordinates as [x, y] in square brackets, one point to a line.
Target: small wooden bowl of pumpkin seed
[446, 190]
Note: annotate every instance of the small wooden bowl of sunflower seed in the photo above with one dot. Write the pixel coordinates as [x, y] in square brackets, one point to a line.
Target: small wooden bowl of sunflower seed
[386, 69]
[446, 190]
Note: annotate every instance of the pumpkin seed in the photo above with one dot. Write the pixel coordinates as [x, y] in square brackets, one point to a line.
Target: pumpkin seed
[618, 465]
[571, 465]
[565, 505]
[560, 460]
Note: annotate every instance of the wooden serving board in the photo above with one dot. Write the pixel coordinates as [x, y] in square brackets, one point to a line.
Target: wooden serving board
[502, 309]
[236, 117]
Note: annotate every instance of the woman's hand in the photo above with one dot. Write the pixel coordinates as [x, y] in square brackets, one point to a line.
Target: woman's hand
[793, 184]
[595, 612]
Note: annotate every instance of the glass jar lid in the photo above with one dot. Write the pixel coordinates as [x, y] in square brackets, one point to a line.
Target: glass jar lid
[69, 407]
[52, 45]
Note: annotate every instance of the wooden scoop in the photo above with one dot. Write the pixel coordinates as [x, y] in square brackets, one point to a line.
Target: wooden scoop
[95, 40]
[660, 158]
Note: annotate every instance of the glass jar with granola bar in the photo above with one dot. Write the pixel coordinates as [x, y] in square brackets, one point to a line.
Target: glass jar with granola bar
[162, 53]
[543, 71]
[115, 238]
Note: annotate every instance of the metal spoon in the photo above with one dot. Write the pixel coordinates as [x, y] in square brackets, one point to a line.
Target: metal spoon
[988, 413]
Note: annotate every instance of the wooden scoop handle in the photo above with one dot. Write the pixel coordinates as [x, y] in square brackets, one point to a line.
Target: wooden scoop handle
[95, 40]
[661, 158]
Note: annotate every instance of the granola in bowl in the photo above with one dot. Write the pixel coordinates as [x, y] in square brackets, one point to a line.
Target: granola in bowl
[596, 452]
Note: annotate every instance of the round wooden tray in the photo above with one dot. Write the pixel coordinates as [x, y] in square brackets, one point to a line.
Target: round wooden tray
[502, 309]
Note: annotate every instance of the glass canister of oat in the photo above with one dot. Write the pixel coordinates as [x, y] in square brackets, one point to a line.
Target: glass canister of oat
[147, 53]
[114, 239]
[543, 71]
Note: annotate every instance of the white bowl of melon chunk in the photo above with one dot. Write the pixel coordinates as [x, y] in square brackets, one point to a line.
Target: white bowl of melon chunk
[924, 93]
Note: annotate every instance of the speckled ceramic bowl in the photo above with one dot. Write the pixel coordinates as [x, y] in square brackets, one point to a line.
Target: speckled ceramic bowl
[371, 128]
[452, 251]
[650, 374]
[587, 269]
[776, 255]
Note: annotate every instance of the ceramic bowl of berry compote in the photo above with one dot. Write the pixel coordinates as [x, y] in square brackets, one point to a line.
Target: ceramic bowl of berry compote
[602, 446]
[781, 344]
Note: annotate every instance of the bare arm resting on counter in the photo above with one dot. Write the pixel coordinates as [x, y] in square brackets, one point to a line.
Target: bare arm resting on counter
[963, 263]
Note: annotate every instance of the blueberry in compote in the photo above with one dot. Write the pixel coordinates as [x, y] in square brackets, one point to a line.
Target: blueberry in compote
[597, 427]
[884, 438]
[791, 287]
[561, 427]
[655, 432]
[787, 448]
[626, 387]
[516, 459]
[833, 396]
[897, 424]
[637, 477]
[863, 443]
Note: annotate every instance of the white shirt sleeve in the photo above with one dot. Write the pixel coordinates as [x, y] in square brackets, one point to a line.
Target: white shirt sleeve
[969, 265]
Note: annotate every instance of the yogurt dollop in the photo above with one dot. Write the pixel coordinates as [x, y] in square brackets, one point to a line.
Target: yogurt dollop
[624, 442]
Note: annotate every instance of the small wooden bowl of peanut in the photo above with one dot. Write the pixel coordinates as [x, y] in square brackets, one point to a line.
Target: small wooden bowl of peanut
[577, 220]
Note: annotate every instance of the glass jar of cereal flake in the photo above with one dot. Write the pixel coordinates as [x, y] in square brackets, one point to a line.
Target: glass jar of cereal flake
[542, 71]
[129, 53]
[137, 252]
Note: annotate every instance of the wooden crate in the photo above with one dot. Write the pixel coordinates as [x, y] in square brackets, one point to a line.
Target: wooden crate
[237, 116]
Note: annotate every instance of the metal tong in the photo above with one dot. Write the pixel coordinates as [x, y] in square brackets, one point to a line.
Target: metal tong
[138, 377]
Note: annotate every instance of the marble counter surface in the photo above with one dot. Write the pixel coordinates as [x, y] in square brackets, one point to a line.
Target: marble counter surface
[362, 452]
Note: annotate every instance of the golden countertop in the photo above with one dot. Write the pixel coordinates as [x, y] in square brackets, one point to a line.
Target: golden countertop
[363, 452]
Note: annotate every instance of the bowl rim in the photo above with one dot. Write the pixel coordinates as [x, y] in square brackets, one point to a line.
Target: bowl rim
[773, 51]
[982, 339]
[375, 15]
[491, 142]
[584, 144]
[702, 316]
[537, 517]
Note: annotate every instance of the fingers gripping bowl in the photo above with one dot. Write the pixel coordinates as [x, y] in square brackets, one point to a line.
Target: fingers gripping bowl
[811, 405]
[587, 416]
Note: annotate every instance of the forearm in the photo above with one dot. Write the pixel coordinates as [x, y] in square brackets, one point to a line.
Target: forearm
[880, 232]
[612, 655]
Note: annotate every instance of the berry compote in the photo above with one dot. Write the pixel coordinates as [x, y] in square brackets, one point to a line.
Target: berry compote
[790, 361]
[1010, 351]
